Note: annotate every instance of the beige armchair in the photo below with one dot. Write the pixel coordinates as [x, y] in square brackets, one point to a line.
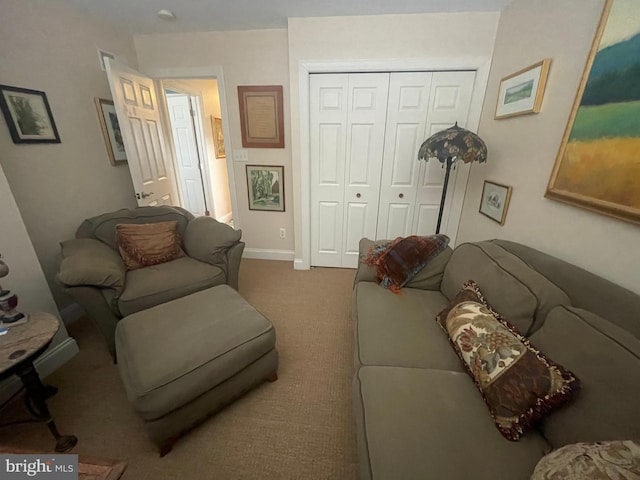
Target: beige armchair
[93, 273]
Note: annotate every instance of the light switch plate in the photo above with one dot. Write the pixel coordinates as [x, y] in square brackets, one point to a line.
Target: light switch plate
[241, 155]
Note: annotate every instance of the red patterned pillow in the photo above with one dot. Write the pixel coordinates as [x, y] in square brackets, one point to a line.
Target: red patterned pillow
[519, 384]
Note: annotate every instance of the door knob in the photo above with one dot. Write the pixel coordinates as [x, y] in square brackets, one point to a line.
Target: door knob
[401, 195]
[358, 195]
[142, 195]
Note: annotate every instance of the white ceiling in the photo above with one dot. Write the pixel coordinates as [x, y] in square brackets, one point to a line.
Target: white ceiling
[139, 16]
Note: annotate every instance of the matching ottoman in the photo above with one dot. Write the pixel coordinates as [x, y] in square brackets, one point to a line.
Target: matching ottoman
[184, 360]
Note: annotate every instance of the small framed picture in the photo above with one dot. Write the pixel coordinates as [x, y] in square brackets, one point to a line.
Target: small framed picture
[111, 131]
[521, 92]
[495, 201]
[28, 115]
[265, 184]
[218, 137]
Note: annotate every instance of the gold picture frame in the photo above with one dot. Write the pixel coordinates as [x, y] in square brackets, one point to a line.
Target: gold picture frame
[261, 116]
[521, 93]
[218, 137]
[111, 131]
[597, 163]
[495, 201]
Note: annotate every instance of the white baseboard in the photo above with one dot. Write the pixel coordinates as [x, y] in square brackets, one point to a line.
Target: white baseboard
[71, 313]
[298, 264]
[46, 364]
[267, 254]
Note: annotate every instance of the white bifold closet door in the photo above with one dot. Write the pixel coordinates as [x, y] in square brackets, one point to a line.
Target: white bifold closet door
[365, 132]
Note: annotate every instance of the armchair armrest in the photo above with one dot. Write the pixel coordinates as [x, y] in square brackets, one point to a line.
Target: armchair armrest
[429, 278]
[208, 240]
[89, 262]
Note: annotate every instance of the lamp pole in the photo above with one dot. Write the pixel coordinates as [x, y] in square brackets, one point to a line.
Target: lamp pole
[449, 162]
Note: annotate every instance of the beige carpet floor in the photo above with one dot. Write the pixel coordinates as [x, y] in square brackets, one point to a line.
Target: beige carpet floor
[300, 427]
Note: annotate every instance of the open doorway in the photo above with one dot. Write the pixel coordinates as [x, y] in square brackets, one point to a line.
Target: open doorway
[193, 117]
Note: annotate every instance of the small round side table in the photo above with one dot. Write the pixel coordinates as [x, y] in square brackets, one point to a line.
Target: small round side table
[19, 348]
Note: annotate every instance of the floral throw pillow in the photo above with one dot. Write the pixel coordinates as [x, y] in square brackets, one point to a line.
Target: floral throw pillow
[519, 384]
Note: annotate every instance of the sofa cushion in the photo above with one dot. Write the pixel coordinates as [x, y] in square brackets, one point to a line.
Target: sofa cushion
[606, 358]
[86, 261]
[208, 240]
[171, 354]
[416, 424]
[514, 289]
[518, 383]
[161, 283]
[397, 262]
[603, 460]
[399, 330]
[146, 244]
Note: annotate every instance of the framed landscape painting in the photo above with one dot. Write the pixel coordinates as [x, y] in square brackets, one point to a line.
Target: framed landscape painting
[521, 93]
[265, 184]
[598, 165]
[28, 115]
[111, 131]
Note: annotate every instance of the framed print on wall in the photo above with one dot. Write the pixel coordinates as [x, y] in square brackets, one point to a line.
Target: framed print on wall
[597, 165]
[261, 116]
[265, 186]
[28, 115]
[111, 131]
[495, 201]
[218, 137]
[521, 93]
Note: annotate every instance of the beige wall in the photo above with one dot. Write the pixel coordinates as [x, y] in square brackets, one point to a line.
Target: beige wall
[522, 150]
[433, 36]
[254, 57]
[50, 47]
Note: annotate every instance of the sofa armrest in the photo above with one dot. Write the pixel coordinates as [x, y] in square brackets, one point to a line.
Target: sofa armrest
[234, 256]
[429, 278]
[89, 262]
[209, 241]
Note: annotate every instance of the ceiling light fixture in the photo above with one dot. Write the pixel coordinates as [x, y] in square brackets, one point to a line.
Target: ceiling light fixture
[166, 14]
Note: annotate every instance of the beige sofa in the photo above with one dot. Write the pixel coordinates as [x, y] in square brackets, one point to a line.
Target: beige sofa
[93, 274]
[418, 413]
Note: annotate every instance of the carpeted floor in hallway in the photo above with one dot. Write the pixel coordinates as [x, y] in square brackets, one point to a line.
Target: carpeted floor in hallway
[300, 427]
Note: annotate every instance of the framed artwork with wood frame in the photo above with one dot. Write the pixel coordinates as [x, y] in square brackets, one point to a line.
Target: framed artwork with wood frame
[597, 165]
[521, 93]
[28, 115]
[111, 131]
[261, 116]
[495, 201]
[218, 137]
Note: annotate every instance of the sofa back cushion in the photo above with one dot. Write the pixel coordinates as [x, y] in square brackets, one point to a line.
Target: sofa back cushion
[103, 227]
[516, 291]
[606, 358]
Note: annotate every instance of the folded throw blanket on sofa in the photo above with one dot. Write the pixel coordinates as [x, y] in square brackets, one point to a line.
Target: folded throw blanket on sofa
[397, 262]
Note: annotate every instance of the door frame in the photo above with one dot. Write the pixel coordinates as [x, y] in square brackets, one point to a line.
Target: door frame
[480, 64]
[176, 84]
[216, 72]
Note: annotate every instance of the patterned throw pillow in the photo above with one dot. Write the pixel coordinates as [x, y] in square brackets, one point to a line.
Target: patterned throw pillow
[595, 461]
[143, 245]
[397, 262]
[518, 383]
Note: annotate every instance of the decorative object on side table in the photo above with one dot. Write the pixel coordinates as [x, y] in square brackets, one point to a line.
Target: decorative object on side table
[28, 115]
[495, 201]
[449, 146]
[521, 93]
[218, 137]
[265, 185]
[597, 165]
[8, 302]
[111, 131]
[261, 116]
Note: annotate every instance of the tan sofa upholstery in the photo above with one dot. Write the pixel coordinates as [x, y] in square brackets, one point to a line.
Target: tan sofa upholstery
[93, 273]
[419, 415]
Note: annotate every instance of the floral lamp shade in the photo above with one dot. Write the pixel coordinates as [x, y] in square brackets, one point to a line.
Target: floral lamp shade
[455, 143]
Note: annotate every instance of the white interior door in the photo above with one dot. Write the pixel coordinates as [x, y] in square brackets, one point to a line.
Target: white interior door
[136, 104]
[347, 124]
[181, 115]
[449, 102]
[407, 112]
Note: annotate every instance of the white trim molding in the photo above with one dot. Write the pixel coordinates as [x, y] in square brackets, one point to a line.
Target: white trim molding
[479, 64]
[269, 254]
